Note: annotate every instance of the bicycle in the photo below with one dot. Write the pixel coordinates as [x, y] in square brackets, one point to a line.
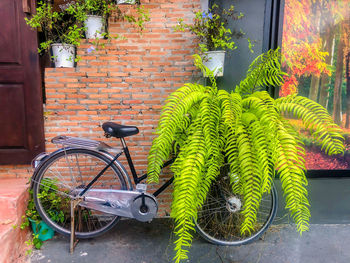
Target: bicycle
[87, 170]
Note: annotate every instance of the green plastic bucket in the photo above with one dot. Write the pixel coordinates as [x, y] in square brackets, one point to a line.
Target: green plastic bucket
[45, 232]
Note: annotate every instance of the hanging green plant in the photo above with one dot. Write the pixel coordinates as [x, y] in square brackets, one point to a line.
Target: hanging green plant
[41, 231]
[205, 127]
[56, 27]
[211, 28]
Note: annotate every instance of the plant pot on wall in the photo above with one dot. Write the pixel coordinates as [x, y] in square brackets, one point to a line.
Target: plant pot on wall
[41, 229]
[63, 55]
[130, 2]
[214, 60]
[95, 27]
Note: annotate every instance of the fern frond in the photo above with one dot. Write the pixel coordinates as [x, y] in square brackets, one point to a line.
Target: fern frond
[250, 177]
[171, 103]
[264, 71]
[292, 176]
[231, 154]
[210, 122]
[262, 155]
[188, 174]
[205, 70]
[231, 107]
[171, 119]
[259, 103]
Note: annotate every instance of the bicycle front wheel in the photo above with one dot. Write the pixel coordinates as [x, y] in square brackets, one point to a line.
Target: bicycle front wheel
[64, 175]
[220, 218]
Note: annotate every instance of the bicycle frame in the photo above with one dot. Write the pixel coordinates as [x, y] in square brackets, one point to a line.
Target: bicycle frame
[137, 179]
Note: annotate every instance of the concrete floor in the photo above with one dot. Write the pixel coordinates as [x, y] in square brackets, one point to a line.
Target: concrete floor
[135, 242]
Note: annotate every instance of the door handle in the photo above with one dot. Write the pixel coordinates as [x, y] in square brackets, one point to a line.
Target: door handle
[27, 6]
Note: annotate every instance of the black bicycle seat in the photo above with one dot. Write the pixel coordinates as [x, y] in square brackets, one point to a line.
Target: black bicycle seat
[118, 130]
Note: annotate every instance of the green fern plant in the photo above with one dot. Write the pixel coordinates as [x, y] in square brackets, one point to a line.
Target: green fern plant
[204, 127]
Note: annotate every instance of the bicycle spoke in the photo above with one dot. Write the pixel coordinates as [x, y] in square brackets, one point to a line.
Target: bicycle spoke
[79, 172]
[67, 173]
[219, 225]
[60, 178]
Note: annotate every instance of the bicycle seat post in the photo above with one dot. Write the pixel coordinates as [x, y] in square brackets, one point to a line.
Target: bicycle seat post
[128, 157]
[123, 142]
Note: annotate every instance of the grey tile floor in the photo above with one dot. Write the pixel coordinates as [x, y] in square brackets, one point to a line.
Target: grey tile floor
[134, 242]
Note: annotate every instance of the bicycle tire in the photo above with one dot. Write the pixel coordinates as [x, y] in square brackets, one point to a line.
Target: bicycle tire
[57, 178]
[220, 225]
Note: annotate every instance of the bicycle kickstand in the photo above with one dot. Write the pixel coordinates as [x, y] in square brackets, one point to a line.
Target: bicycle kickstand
[73, 241]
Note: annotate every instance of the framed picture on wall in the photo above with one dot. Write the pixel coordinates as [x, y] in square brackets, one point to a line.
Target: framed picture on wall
[316, 55]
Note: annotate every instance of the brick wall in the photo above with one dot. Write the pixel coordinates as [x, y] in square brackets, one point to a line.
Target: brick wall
[126, 82]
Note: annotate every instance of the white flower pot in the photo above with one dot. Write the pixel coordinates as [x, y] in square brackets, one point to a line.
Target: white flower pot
[214, 60]
[95, 27]
[130, 2]
[63, 55]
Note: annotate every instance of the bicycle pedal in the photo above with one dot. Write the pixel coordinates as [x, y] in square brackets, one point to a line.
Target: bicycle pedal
[141, 188]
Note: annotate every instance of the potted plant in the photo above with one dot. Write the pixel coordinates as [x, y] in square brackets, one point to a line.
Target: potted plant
[41, 231]
[93, 14]
[61, 33]
[205, 127]
[129, 2]
[214, 37]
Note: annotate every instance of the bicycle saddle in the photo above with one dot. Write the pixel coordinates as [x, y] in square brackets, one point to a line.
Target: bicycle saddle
[118, 130]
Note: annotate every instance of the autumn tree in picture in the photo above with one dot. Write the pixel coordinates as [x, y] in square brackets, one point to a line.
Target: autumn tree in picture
[316, 56]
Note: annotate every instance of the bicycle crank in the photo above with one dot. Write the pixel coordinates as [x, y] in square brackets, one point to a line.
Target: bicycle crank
[132, 204]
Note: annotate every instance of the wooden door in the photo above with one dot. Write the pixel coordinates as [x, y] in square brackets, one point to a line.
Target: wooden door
[21, 107]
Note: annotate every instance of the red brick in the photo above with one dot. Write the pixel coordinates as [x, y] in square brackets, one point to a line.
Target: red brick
[111, 90]
[87, 112]
[75, 85]
[79, 118]
[113, 80]
[118, 74]
[97, 85]
[89, 101]
[98, 107]
[67, 101]
[67, 80]
[75, 107]
[88, 69]
[75, 74]
[99, 96]
[97, 74]
[64, 69]
[98, 63]
[54, 107]
[90, 80]
[131, 80]
[132, 101]
[47, 85]
[73, 95]
[143, 96]
[88, 57]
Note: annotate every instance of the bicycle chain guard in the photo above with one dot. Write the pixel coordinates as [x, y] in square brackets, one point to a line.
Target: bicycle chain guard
[132, 204]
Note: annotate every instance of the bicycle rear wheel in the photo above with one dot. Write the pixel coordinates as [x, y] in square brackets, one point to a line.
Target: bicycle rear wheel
[65, 174]
[220, 219]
